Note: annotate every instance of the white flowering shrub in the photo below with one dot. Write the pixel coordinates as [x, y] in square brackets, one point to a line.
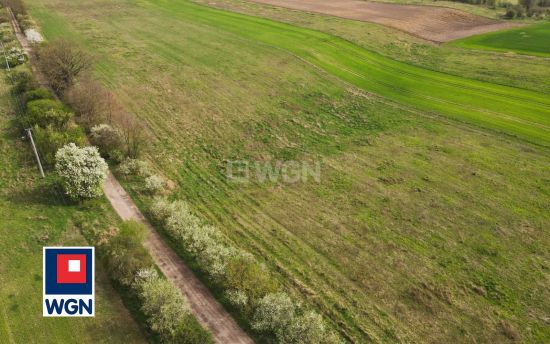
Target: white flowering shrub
[82, 171]
[237, 298]
[161, 209]
[33, 36]
[143, 275]
[15, 56]
[154, 184]
[308, 328]
[134, 167]
[274, 313]
[162, 303]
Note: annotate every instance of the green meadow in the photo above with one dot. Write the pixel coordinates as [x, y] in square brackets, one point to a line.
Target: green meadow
[530, 40]
[430, 222]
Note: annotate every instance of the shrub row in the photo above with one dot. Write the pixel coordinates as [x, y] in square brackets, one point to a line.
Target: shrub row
[49, 119]
[131, 267]
[13, 54]
[246, 283]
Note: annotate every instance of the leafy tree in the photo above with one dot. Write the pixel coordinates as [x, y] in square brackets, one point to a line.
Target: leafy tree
[44, 112]
[82, 171]
[49, 140]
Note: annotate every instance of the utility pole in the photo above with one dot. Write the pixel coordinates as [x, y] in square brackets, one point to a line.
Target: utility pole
[35, 152]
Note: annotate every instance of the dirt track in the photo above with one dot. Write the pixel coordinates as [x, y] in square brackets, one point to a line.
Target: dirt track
[206, 308]
[436, 24]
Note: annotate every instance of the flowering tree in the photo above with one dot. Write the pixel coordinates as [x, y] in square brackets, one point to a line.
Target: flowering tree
[82, 171]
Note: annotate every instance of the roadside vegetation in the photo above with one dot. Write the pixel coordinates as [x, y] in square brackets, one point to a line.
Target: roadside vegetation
[418, 219]
[35, 214]
[76, 188]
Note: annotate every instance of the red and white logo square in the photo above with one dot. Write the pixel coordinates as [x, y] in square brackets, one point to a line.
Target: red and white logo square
[71, 268]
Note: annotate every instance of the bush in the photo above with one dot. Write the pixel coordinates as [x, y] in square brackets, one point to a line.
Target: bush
[163, 304]
[14, 57]
[22, 81]
[134, 167]
[6, 33]
[126, 255]
[25, 22]
[82, 171]
[154, 184]
[133, 133]
[273, 313]
[108, 140]
[37, 93]
[49, 140]
[306, 329]
[237, 298]
[45, 112]
[168, 313]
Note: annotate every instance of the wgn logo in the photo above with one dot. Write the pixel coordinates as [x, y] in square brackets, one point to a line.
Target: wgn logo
[68, 282]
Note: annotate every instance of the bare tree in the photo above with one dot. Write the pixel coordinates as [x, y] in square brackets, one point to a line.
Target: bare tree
[133, 133]
[61, 62]
[90, 101]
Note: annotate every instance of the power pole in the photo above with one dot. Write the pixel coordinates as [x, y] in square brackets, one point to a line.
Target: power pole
[35, 152]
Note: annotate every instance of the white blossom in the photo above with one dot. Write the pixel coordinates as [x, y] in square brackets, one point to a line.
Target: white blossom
[154, 184]
[82, 171]
[33, 36]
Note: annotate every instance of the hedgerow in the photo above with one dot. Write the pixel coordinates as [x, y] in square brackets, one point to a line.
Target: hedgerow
[246, 283]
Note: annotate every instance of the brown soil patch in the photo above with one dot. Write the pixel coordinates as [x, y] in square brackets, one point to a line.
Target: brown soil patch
[436, 24]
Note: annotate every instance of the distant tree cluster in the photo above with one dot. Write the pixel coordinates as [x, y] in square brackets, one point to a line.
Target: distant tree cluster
[524, 8]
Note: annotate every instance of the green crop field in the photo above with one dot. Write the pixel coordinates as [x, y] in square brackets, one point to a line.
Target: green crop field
[530, 40]
[430, 222]
[32, 218]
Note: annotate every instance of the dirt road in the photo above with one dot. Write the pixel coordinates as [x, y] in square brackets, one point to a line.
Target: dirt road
[433, 23]
[209, 312]
[206, 308]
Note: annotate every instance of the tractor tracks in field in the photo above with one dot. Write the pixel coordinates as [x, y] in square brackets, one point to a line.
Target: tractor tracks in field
[204, 306]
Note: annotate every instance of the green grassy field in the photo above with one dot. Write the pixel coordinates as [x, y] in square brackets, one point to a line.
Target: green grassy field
[423, 228]
[519, 70]
[530, 40]
[32, 218]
